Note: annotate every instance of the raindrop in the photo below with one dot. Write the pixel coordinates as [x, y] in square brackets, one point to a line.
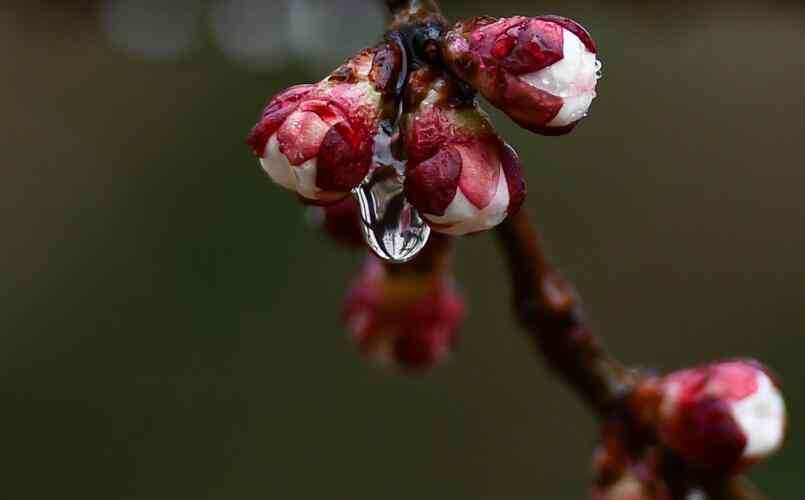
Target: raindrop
[599, 69]
[393, 228]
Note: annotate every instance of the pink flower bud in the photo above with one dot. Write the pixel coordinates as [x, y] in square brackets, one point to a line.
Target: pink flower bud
[541, 71]
[317, 140]
[410, 321]
[460, 176]
[722, 417]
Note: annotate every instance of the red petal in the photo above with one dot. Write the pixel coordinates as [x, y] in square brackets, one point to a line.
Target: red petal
[575, 28]
[706, 433]
[300, 136]
[430, 329]
[539, 44]
[431, 185]
[480, 171]
[529, 107]
[278, 109]
[515, 179]
[339, 166]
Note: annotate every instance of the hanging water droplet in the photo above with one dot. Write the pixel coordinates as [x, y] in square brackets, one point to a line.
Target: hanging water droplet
[393, 228]
[599, 69]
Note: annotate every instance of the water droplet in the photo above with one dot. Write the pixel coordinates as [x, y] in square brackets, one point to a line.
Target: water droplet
[393, 228]
[599, 69]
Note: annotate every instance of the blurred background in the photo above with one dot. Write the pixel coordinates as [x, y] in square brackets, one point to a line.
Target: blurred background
[169, 321]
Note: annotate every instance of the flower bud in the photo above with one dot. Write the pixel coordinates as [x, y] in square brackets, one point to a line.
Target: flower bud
[460, 176]
[410, 321]
[318, 139]
[541, 71]
[722, 417]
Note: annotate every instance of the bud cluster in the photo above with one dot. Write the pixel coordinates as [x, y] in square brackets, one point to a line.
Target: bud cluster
[322, 140]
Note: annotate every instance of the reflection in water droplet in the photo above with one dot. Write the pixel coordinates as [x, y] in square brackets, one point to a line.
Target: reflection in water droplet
[599, 69]
[393, 228]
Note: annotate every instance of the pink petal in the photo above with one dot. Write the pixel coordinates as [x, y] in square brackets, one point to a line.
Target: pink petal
[480, 171]
[300, 136]
[513, 170]
[431, 185]
[575, 28]
[278, 109]
[340, 167]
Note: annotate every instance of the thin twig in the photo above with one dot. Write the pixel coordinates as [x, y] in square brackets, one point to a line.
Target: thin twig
[548, 308]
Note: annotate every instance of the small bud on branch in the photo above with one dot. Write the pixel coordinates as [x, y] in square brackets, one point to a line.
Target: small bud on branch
[406, 315]
[722, 417]
[460, 176]
[541, 71]
[318, 140]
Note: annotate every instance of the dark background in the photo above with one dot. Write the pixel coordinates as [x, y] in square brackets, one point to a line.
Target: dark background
[169, 321]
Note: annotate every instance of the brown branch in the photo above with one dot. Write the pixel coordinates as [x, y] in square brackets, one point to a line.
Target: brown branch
[548, 308]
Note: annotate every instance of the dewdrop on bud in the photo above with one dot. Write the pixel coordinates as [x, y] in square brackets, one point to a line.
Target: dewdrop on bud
[540, 71]
[722, 417]
[318, 139]
[460, 175]
[410, 322]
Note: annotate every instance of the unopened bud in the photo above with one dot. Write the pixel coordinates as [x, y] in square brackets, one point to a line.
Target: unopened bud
[318, 139]
[724, 416]
[541, 71]
[460, 175]
[409, 321]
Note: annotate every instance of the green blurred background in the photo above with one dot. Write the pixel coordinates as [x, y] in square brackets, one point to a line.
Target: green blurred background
[170, 321]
